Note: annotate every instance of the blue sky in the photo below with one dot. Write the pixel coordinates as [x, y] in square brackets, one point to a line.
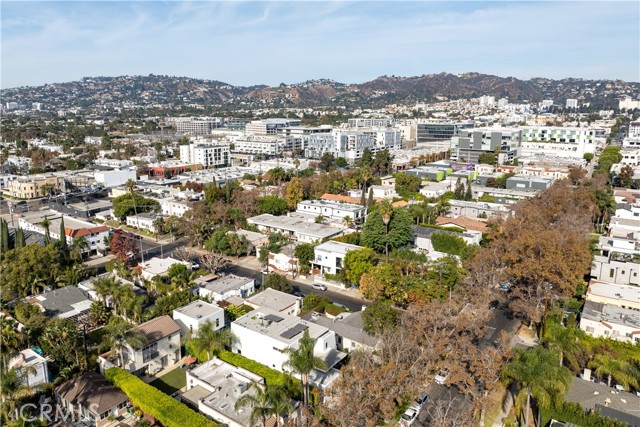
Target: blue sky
[244, 43]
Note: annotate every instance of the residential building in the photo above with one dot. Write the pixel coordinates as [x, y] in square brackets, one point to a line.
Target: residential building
[336, 211]
[271, 145]
[32, 367]
[159, 267]
[609, 403]
[634, 129]
[295, 228]
[162, 349]
[256, 240]
[423, 235]
[477, 210]
[68, 302]
[361, 122]
[429, 172]
[208, 155]
[469, 144]
[618, 261]
[628, 103]
[172, 207]
[348, 328]
[214, 387]
[113, 163]
[197, 125]
[284, 261]
[264, 335]
[610, 321]
[350, 143]
[463, 222]
[383, 191]
[433, 189]
[624, 296]
[571, 103]
[145, 220]
[558, 141]
[219, 288]
[428, 132]
[33, 186]
[276, 301]
[193, 315]
[629, 142]
[329, 256]
[92, 398]
[270, 126]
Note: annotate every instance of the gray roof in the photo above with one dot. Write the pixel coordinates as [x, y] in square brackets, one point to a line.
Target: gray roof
[199, 309]
[273, 299]
[60, 301]
[609, 313]
[427, 232]
[30, 237]
[347, 325]
[222, 284]
[590, 394]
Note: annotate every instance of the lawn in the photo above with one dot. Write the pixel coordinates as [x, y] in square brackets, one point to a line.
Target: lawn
[171, 382]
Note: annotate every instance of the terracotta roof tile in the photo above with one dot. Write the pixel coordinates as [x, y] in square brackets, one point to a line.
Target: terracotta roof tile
[464, 222]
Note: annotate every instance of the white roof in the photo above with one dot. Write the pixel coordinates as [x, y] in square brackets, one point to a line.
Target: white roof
[337, 247]
[614, 291]
[160, 265]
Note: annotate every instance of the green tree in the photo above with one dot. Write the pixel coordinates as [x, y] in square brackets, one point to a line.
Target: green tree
[60, 339]
[294, 193]
[374, 232]
[98, 313]
[458, 192]
[277, 282]
[327, 162]
[278, 175]
[302, 361]
[119, 334]
[305, 253]
[341, 162]
[566, 341]
[613, 368]
[407, 185]
[487, 158]
[378, 316]
[208, 341]
[357, 262]
[10, 338]
[468, 194]
[538, 376]
[4, 236]
[79, 247]
[132, 203]
[264, 402]
[588, 157]
[22, 267]
[273, 205]
[626, 176]
[46, 224]
[13, 388]
[370, 200]
[20, 240]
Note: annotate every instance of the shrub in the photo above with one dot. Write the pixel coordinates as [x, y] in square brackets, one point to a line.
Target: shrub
[575, 413]
[152, 401]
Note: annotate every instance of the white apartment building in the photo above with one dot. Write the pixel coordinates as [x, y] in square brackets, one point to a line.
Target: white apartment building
[170, 206]
[195, 314]
[618, 261]
[277, 301]
[329, 256]
[631, 142]
[350, 144]
[112, 163]
[624, 296]
[144, 220]
[161, 350]
[263, 335]
[197, 125]
[371, 122]
[609, 321]
[558, 141]
[571, 103]
[634, 129]
[333, 210]
[271, 145]
[114, 178]
[295, 228]
[208, 155]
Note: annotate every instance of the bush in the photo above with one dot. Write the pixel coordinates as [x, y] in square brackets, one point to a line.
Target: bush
[152, 401]
[271, 376]
[575, 413]
[453, 245]
[277, 282]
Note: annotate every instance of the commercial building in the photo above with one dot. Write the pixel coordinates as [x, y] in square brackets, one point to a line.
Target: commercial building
[197, 125]
[208, 155]
[427, 132]
[469, 144]
[268, 145]
[371, 122]
[33, 186]
[170, 168]
[350, 143]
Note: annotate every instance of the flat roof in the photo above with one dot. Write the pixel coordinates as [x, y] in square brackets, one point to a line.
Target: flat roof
[157, 265]
[347, 325]
[609, 313]
[295, 225]
[198, 309]
[333, 204]
[222, 284]
[273, 299]
[590, 394]
[337, 247]
[614, 291]
[279, 326]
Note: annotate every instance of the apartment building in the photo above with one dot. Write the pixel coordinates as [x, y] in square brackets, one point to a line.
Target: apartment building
[208, 155]
[296, 228]
[329, 256]
[336, 211]
[351, 143]
[469, 144]
[269, 145]
[559, 141]
[371, 122]
[618, 261]
[33, 186]
[270, 126]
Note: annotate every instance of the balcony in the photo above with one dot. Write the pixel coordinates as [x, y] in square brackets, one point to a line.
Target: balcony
[150, 356]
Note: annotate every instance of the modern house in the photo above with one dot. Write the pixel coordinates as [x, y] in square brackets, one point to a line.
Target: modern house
[329, 256]
[159, 267]
[618, 261]
[264, 335]
[529, 182]
[294, 227]
[348, 328]
[193, 315]
[92, 398]
[278, 301]
[214, 387]
[32, 367]
[219, 288]
[161, 350]
[144, 220]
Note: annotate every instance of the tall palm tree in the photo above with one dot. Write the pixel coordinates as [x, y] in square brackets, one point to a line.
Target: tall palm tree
[617, 369]
[208, 339]
[10, 338]
[386, 210]
[46, 224]
[566, 342]
[538, 376]
[13, 387]
[105, 287]
[260, 403]
[303, 361]
[78, 248]
[120, 335]
[158, 225]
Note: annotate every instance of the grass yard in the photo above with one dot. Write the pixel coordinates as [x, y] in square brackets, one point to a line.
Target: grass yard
[171, 382]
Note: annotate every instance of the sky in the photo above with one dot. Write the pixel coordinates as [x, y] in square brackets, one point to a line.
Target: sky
[247, 43]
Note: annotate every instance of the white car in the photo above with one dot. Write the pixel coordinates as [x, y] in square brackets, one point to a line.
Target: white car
[319, 287]
[408, 418]
[195, 265]
[442, 376]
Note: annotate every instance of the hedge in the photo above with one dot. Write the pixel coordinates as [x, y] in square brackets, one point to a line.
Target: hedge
[271, 376]
[574, 413]
[168, 411]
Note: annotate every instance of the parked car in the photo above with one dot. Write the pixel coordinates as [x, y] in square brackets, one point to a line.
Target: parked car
[298, 294]
[505, 287]
[421, 400]
[442, 376]
[408, 418]
[195, 265]
[319, 287]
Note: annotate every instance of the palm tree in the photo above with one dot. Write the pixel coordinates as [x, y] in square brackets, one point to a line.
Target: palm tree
[280, 401]
[208, 339]
[120, 335]
[46, 224]
[259, 401]
[538, 376]
[158, 225]
[13, 387]
[303, 361]
[106, 286]
[348, 221]
[386, 210]
[78, 248]
[10, 338]
[617, 369]
[566, 342]
[130, 186]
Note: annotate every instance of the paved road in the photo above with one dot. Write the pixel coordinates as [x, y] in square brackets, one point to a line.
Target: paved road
[351, 303]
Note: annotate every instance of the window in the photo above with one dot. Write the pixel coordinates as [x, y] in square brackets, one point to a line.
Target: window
[611, 272]
[217, 322]
[150, 352]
